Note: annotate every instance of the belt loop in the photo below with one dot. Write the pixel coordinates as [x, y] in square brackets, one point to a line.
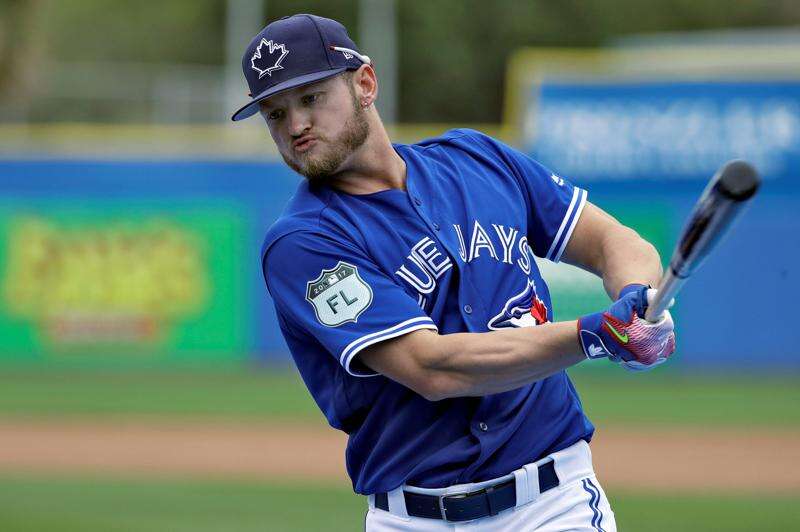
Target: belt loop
[397, 503]
[521, 484]
[490, 501]
[533, 480]
[371, 501]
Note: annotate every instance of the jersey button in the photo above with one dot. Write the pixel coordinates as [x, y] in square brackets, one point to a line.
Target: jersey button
[483, 426]
[417, 201]
[436, 226]
[468, 309]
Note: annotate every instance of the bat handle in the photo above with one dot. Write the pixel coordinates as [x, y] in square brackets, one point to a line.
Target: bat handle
[669, 286]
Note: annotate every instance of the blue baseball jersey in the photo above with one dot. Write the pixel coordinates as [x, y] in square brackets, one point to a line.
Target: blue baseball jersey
[452, 253]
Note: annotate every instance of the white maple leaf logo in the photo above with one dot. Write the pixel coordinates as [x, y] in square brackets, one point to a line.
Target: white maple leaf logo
[263, 59]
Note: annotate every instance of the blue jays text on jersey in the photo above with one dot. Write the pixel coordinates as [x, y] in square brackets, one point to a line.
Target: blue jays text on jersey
[453, 253]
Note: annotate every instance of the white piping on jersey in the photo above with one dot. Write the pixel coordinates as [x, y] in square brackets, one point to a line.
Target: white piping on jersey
[578, 210]
[352, 349]
[575, 194]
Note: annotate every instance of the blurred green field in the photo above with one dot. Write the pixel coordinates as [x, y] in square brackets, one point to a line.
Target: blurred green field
[608, 396]
[28, 504]
[80, 503]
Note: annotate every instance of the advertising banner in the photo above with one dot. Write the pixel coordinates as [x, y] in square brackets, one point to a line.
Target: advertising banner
[136, 262]
[643, 130]
[657, 130]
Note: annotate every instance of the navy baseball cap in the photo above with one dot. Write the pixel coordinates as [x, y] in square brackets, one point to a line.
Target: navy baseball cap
[295, 51]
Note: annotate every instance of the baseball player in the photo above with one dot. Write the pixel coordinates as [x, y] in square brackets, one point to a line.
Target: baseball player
[406, 289]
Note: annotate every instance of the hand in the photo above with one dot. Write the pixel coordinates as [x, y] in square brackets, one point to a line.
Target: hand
[623, 335]
[643, 291]
[633, 288]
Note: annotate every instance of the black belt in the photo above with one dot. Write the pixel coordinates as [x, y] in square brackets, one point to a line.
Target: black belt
[473, 505]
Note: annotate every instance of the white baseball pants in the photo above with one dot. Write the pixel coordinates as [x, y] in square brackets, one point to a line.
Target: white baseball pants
[577, 504]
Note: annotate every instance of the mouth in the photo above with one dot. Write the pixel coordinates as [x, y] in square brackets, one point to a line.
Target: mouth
[303, 144]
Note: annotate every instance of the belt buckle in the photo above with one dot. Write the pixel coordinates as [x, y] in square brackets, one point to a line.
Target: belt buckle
[484, 491]
[442, 509]
[442, 498]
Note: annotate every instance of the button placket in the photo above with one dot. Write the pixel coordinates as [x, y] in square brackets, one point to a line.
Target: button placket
[435, 226]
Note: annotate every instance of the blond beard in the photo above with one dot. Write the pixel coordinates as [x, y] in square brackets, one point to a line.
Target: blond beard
[356, 131]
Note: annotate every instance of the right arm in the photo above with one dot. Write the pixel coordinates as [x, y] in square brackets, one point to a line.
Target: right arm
[392, 336]
[473, 364]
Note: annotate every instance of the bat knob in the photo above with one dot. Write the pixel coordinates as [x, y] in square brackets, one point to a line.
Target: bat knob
[738, 180]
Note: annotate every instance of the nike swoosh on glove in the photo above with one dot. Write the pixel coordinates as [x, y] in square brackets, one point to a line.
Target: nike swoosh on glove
[622, 335]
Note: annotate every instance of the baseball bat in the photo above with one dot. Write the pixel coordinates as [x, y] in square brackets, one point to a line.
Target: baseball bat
[721, 202]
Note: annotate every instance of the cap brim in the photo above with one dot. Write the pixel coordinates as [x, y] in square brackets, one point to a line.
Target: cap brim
[252, 108]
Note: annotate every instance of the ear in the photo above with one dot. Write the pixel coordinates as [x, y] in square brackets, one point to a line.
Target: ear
[366, 85]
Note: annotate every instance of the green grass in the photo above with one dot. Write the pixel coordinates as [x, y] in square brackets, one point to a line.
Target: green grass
[672, 513]
[667, 399]
[225, 393]
[608, 396]
[28, 505]
[69, 505]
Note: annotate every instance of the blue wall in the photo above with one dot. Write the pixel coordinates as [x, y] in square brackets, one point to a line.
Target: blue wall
[737, 312]
[659, 141]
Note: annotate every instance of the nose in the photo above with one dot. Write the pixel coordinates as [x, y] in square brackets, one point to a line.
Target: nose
[299, 122]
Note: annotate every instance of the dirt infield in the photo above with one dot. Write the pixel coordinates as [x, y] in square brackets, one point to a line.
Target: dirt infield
[718, 460]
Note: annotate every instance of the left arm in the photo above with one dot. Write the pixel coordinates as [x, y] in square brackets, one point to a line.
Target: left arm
[614, 252]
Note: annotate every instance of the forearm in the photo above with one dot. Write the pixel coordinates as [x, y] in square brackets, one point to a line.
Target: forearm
[627, 258]
[473, 364]
[614, 252]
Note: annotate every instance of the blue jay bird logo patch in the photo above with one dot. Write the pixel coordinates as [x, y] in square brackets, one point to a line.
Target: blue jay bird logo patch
[524, 309]
[268, 57]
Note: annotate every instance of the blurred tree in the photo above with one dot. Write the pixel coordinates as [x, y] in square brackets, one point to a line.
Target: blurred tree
[167, 31]
[453, 53]
[23, 45]
[345, 11]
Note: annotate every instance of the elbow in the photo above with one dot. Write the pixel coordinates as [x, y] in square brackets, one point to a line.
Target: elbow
[428, 392]
[435, 386]
[432, 389]
[627, 240]
[647, 247]
[653, 251]
[435, 377]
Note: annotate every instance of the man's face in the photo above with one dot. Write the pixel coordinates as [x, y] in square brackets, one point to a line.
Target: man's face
[317, 127]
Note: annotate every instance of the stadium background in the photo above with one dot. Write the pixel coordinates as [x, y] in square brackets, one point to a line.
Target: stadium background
[143, 382]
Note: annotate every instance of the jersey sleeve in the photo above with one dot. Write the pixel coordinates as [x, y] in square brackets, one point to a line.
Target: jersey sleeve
[331, 291]
[553, 203]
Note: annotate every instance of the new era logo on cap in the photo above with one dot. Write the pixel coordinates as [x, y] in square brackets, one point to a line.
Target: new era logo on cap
[268, 53]
[295, 51]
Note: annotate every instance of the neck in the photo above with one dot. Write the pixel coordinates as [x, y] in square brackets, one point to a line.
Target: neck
[374, 166]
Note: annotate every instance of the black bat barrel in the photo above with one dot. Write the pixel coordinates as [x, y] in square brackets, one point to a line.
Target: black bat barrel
[726, 193]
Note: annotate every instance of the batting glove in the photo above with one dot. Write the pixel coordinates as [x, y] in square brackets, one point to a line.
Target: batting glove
[636, 288]
[622, 335]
